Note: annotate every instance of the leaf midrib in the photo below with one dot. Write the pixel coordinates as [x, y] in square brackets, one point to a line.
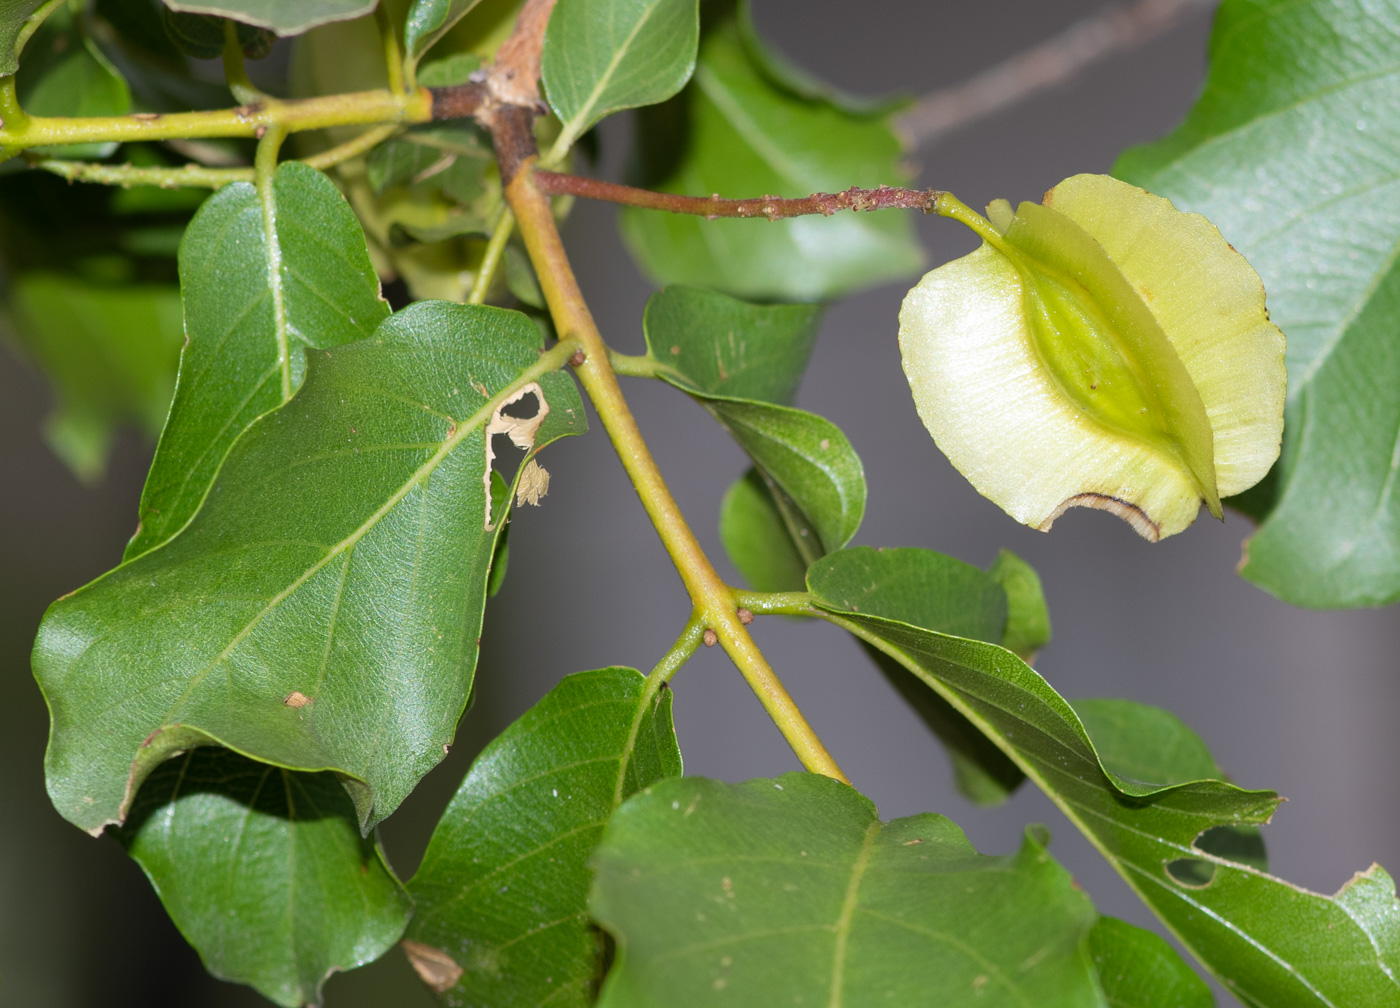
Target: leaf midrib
[573, 127]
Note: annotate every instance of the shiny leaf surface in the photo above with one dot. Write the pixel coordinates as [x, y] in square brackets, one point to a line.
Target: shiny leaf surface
[322, 609]
[503, 888]
[602, 56]
[1271, 942]
[264, 872]
[252, 306]
[741, 361]
[792, 891]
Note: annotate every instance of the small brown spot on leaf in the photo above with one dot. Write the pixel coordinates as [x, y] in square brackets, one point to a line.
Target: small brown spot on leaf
[297, 699]
[435, 967]
[911, 843]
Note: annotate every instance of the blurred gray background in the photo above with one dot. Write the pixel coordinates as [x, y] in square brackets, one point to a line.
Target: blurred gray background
[1293, 700]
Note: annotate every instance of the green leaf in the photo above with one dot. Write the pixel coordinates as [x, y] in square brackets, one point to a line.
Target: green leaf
[1271, 942]
[82, 83]
[791, 891]
[430, 20]
[936, 591]
[1147, 744]
[285, 17]
[502, 893]
[603, 56]
[1137, 969]
[916, 586]
[734, 132]
[13, 15]
[1289, 152]
[740, 361]
[342, 553]
[756, 538]
[108, 349]
[1027, 616]
[265, 872]
[251, 308]
[717, 345]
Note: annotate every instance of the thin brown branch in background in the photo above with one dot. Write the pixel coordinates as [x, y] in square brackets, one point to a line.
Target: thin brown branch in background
[1047, 64]
[711, 207]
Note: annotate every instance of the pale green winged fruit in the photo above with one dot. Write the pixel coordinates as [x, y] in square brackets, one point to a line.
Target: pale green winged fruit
[1101, 349]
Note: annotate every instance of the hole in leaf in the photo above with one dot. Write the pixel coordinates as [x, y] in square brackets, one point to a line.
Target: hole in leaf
[527, 407]
[1194, 873]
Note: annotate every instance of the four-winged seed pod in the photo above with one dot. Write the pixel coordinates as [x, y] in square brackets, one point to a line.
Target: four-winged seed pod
[1101, 349]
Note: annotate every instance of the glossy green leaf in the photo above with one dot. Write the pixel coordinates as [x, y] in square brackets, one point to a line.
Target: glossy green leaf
[952, 597]
[756, 538]
[13, 15]
[285, 17]
[1027, 627]
[108, 349]
[503, 889]
[1137, 969]
[740, 361]
[81, 83]
[264, 872]
[735, 132]
[252, 307]
[603, 56]
[1289, 151]
[1147, 744]
[430, 20]
[718, 345]
[1272, 943]
[791, 891]
[342, 554]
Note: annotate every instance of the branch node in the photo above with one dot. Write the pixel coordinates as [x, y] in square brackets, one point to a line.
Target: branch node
[745, 616]
[710, 637]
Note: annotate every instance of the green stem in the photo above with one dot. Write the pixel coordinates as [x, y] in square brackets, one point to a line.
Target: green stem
[199, 176]
[361, 108]
[235, 72]
[193, 176]
[11, 115]
[401, 78]
[686, 645]
[713, 600]
[635, 365]
[491, 258]
[948, 205]
[776, 603]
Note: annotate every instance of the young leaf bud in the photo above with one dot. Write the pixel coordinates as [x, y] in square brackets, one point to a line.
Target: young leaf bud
[1100, 349]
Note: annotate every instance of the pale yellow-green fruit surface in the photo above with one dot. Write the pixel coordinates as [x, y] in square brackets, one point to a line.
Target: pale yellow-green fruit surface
[1103, 350]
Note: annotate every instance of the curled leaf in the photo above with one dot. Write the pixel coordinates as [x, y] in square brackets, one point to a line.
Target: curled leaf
[1101, 349]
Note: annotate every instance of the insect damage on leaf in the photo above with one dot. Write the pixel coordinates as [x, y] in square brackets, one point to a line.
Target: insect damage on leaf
[434, 966]
[533, 484]
[1101, 349]
[521, 431]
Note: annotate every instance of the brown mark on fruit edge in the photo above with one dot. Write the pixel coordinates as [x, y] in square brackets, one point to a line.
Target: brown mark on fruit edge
[1130, 513]
[436, 968]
